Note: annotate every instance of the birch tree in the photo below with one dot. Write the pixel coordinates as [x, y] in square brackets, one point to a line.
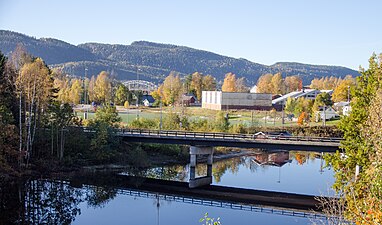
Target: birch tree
[35, 86]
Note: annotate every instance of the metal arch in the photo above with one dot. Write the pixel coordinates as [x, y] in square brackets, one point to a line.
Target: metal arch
[140, 85]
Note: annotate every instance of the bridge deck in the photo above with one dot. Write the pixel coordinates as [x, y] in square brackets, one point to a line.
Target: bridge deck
[232, 140]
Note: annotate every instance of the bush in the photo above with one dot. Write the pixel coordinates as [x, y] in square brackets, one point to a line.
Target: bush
[143, 123]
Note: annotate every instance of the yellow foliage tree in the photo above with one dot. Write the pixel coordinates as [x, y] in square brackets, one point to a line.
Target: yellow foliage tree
[277, 84]
[264, 84]
[76, 91]
[171, 89]
[292, 83]
[103, 88]
[197, 84]
[229, 84]
[209, 83]
[342, 91]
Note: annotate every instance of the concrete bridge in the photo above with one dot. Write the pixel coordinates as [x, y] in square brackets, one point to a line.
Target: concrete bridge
[203, 143]
[266, 142]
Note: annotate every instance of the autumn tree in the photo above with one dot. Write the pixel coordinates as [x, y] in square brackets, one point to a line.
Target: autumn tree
[121, 95]
[62, 84]
[91, 89]
[292, 83]
[197, 84]
[209, 83]
[264, 83]
[229, 84]
[290, 105]
[277, 84]
[171, 89]
[35, 86]
[325, 83]
[303, 105]
[241, 85]
[76, 91]
[103, 88]
[342, 91]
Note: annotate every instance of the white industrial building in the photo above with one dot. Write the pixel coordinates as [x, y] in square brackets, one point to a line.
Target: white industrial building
[310, 94]
[218, 100]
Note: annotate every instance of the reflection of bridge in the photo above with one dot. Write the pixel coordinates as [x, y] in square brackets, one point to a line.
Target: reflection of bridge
[140, 85]
[215, 196]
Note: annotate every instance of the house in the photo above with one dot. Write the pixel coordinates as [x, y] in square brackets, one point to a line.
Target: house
[218, 100]
[189, 100]
[148, 100]
[339, 106]
[277, 159]
[327, 113]
[346, 110]
[253, 89]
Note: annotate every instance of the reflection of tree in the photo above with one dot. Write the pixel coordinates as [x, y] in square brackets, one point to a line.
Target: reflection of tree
[47, 202]
[300, 158]
[220, 167]
[177, 172]
[100, 196]
[10, 205]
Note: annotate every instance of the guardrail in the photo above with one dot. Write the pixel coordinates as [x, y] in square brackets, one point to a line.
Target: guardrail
[228, 136]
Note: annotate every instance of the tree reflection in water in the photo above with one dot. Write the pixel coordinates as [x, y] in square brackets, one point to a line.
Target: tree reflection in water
[38, 202]
[47, 202]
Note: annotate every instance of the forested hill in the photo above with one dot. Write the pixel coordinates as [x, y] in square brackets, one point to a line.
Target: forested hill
[153, 61]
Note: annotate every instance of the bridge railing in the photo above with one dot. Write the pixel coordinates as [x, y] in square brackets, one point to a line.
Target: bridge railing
[218, 135]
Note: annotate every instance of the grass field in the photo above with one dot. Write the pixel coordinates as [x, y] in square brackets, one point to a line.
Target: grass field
[247, 117]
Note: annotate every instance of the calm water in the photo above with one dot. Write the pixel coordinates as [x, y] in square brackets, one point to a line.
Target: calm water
[59, 202]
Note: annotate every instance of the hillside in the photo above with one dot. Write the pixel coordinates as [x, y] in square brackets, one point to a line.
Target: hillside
[153, 61]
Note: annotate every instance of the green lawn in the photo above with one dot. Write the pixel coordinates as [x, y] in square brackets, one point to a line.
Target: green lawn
[235, 116]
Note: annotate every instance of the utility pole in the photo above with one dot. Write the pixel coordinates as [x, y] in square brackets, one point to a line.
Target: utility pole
[282, 114]
[86, 95]
[252, 118]
[137, 93]
[160, 122]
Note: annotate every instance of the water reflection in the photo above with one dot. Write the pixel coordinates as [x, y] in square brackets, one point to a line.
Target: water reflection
[38, 202]
[286, 171]
[61, 202]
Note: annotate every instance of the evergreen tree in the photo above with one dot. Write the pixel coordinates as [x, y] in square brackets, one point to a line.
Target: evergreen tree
[358, 150]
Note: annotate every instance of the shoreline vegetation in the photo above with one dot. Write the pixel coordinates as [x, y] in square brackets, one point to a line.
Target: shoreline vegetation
[40, 133]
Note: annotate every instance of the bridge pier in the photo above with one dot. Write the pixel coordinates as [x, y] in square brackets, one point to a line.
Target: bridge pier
[194, 152]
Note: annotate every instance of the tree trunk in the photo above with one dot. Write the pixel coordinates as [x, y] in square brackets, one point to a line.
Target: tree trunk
[20, 129]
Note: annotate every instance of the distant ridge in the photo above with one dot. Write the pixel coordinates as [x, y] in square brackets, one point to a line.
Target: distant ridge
[154, 61]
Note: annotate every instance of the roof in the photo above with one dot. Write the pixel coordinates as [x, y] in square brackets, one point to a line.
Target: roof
[341, 104]
[149, 98]
[188, 97]
[253, 89]
[297, 94]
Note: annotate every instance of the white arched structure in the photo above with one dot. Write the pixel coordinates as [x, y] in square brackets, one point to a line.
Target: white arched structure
[140, 85]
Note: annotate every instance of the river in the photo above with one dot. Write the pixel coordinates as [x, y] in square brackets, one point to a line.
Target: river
[62, 201]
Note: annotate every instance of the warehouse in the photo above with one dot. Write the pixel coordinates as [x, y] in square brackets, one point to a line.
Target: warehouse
[218, 100]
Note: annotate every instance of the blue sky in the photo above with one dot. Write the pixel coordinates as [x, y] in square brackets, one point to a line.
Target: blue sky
[329, 32]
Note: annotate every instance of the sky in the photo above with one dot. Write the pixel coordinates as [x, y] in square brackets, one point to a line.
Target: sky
[325, 32]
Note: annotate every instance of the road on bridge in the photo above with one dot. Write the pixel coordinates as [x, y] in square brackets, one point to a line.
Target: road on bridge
[266, 142]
